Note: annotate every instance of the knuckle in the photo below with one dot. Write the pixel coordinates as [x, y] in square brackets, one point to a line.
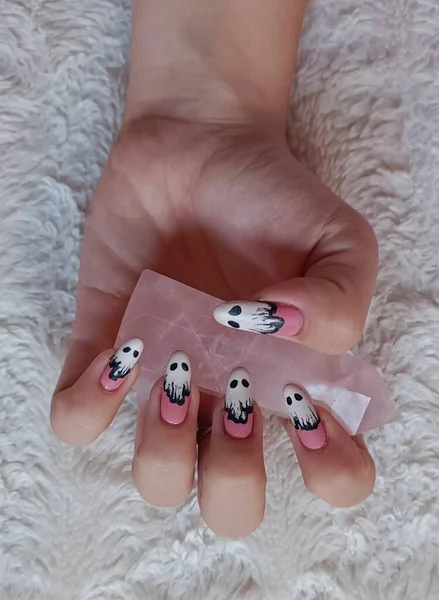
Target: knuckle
[74, 424]
[230, 482]
[162, 480]
[345, 486]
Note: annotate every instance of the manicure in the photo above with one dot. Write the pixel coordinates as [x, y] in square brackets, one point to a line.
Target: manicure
[304, 417]
[176, 392]
[121, 364]
[260, 317]
[238, 406]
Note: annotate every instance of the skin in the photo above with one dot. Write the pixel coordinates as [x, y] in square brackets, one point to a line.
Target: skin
[201, 186]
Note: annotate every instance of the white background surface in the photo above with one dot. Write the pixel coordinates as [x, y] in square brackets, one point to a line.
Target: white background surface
[365, 117]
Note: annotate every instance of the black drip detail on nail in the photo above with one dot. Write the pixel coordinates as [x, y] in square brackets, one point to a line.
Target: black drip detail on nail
[176, 392]
[239, 412]
[266, 320]
[117, 369]
[308, 423]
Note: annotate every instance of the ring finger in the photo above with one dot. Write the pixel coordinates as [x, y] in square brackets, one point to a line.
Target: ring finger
[165, 454]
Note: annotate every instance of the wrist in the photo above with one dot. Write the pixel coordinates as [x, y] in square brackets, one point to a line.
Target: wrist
[217, 62]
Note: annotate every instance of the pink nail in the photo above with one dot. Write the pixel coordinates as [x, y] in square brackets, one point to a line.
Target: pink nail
[304, 417]
[260, 317]
[121, 364]
[238, 406]
[175, 395]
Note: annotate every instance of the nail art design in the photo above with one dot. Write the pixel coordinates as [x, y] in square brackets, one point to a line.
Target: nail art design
[121, 364]
[238, 406]
[304, 416]
[260, 317]
[176, 389]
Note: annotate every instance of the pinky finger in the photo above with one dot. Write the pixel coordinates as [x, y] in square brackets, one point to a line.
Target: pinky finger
[80, 413]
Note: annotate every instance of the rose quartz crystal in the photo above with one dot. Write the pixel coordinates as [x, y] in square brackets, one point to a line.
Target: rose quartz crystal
[170, 316]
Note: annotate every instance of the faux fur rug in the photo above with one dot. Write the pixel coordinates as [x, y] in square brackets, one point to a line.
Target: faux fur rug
[365, 117]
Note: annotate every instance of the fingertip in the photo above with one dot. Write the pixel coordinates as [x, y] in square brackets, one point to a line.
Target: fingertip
[81, 412]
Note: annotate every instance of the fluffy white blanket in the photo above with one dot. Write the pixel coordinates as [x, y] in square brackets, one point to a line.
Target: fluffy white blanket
[365, 117]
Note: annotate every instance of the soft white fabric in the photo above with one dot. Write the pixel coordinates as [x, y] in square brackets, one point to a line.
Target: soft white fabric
[365, 117]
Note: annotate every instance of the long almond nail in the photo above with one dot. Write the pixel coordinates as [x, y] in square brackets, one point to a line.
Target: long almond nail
[304, 417]
[260, 317]
[238, 405]
[121, 364]
[176, 392]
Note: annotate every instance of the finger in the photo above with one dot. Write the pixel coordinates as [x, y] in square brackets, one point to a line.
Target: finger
[83, 411]
[326, 308]
[231, 468]
[335, 466]
[164, 460]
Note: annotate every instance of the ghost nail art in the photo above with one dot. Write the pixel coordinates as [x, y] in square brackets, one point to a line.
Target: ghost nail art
[238, 404]
[121, 364]
[260, 317]
[304, 417]
[176, 391]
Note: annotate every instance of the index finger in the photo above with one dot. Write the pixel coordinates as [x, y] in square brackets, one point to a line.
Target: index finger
[335, 466]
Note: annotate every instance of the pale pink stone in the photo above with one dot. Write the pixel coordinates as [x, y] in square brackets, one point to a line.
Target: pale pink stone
[170, 316]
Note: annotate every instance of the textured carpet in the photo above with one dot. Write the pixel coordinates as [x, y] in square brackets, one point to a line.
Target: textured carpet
[365, 117]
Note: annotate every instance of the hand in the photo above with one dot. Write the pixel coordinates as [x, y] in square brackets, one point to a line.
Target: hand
[226, 210]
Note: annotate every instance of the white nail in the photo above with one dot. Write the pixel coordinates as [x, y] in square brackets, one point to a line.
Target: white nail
[300, 408]
[239, 403]
[125, 358]
[257, 317]
[177, 383]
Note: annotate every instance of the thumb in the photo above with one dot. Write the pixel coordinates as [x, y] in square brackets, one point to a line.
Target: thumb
[327, 307]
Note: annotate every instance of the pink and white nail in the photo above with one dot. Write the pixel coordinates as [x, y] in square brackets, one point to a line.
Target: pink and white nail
[260, 317]
[304, 417]
[176, 392]
[121, 364]
[238, 404]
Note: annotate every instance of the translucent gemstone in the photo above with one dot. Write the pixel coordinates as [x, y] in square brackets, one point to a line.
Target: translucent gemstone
[169, 316]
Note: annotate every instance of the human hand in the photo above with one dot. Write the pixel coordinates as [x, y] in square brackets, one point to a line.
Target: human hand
[229, 211]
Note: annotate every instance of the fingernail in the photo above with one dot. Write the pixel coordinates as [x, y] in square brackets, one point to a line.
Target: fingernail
[176, 392]
[121, 364]
[260, 317]
[238, 405]
[304, 417]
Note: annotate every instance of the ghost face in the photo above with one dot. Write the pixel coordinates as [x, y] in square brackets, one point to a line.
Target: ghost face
[300, 408]
[125, 358]
[177, 379]
[257, 317]
[238, 403]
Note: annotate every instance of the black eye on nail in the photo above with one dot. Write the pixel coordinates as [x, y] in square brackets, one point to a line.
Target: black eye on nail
[126, 349]
[185, 366]
[289, 400]
[173, 366]
[233, 383]
[245, 383]
[298, 397]
[233, 324]
[235, 311]
[136, 353]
